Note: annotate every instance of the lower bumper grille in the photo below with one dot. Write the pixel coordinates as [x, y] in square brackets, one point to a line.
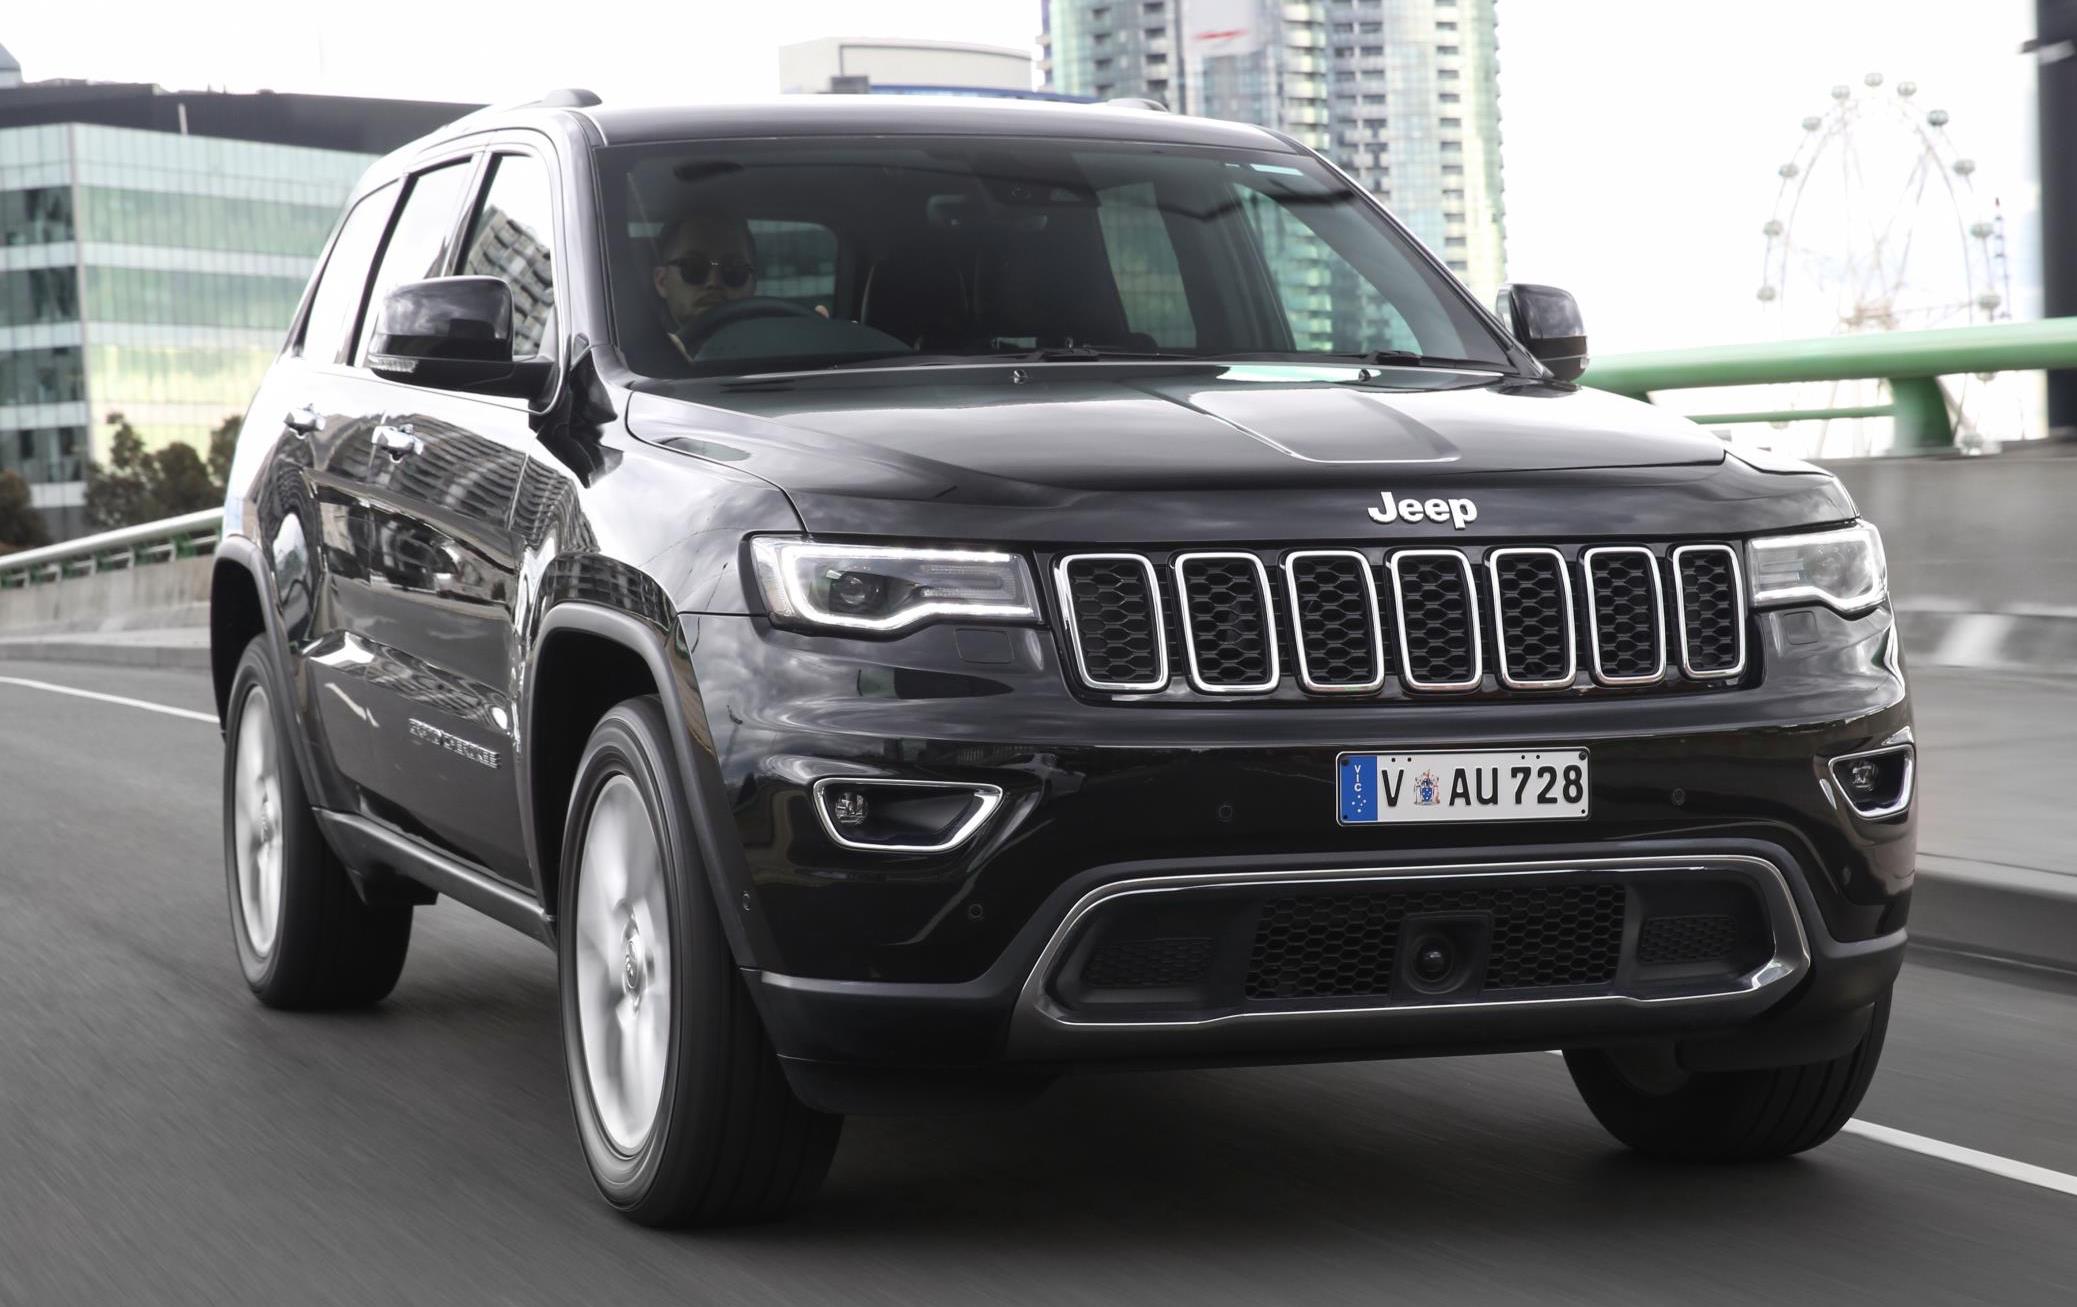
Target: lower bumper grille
[1347, 945]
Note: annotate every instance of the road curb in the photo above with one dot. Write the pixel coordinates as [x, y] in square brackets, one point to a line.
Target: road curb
[72, 649]
[2016, 913]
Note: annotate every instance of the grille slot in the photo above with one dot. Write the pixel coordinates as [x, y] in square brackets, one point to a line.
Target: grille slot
[1229, 636]
[1628, 630]
[1532, 618]
[1337, 630]
[1436, 620]
[1709, 596]
[1113, 602]
[1346, 945]
[1148, 963]
[1666, 941]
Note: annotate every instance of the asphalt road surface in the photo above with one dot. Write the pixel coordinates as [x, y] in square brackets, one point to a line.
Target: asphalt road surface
[164, 1138]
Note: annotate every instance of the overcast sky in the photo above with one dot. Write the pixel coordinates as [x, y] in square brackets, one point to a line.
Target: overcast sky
[1641, 136]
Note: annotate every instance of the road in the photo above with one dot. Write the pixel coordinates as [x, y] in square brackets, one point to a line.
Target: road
[164, 1138]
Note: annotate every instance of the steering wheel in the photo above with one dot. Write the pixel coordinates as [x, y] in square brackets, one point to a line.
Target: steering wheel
[702, 329]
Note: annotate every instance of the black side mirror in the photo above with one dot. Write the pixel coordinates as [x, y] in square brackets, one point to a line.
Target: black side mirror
[453, 333]
[1546, 320]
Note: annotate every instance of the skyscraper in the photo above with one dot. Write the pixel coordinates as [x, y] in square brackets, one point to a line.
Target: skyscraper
[1403, 94]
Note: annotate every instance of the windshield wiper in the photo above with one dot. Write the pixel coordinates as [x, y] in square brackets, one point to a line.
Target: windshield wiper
[1047, 354]
[1401, 358]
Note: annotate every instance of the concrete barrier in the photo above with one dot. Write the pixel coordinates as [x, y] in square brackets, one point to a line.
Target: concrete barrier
[174, 593]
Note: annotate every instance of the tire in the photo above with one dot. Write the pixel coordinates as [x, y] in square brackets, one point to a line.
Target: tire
[304, 937]
[1642, 1099]
[688, 1119]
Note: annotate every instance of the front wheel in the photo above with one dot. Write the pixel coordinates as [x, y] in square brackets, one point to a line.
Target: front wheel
[683, 1111]
[1645, 1100]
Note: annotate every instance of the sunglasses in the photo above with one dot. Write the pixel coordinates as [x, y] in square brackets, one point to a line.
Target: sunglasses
[695, 266]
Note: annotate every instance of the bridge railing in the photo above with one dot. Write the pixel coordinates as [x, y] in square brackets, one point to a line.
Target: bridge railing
[191, 535]
[1912, 362]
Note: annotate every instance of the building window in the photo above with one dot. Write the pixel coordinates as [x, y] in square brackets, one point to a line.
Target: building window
[1453, 170]
[1454, 242]
[1445, 74]
[1448, 97]
[1103, 65]
[1445, 49]
[1459, 266]
[1372, 51]
[1453, 197]
[1155, 59]
[1448, 124]
[1443, 25]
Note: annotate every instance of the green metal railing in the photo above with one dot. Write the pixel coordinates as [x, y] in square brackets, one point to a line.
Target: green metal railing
[188, 536]
[1912, 362]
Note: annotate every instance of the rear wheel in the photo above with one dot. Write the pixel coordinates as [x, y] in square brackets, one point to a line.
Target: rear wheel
[683, 1111]
[1644, 1099]
[305, 939]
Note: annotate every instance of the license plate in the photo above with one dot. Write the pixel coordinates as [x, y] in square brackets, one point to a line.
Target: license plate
[1467, 785]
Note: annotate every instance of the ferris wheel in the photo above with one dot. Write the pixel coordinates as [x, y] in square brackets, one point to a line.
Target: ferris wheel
[1877, 226]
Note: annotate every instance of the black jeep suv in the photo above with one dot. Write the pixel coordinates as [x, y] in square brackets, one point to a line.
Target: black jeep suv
[909, 599]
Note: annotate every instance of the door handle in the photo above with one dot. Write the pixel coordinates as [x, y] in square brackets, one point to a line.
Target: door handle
[303, 420]
[397, 441]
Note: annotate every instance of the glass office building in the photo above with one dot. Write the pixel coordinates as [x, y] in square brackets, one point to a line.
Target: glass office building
[152, 272]
[1404, 95]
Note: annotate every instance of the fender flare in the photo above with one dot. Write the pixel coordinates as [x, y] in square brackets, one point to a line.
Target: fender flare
[699, 775]
[241, 552]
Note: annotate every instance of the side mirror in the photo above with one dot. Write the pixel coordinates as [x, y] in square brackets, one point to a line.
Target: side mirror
[453, 333]
[1546, 320]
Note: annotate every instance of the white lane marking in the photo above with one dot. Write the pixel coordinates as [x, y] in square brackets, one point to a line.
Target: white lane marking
[1991, 1163]
[145, 704]
[2024, 1172]
[1973, 641]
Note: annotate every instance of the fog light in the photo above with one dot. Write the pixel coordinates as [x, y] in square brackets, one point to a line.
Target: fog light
[848, 807]
[1876, 783]
[902, 816]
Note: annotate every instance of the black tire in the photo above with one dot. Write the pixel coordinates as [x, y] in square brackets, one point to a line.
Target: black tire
[728, 1143]
[328, 948]
[1725, 1116]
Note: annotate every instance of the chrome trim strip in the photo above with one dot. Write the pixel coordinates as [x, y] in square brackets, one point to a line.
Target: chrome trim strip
[1478, 655]
[1790, 960]
[1377, 628]
[363, 837]
[1905, 792]
[1064, 586]
[1198, 683]
[1493, 558]
[1680, 610]
[989, 795]
[1658, 615]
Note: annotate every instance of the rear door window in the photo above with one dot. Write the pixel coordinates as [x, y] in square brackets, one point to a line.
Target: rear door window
[796, 261]
[418, 242]
[1144, 266]
[345, 276]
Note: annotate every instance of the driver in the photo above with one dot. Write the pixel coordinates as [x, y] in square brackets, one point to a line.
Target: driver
[703, 262]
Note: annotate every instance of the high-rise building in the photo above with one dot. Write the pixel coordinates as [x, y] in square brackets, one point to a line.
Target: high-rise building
[153, 248]
[1404, 95]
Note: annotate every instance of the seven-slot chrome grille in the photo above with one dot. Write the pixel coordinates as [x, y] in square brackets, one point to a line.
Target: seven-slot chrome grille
[1411, 621]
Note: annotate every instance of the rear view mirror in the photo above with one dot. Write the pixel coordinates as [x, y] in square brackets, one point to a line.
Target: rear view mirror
[1546, 321]
[453, 333]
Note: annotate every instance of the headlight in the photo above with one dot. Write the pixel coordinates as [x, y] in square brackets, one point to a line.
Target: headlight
[811, 585]
[1844, 569]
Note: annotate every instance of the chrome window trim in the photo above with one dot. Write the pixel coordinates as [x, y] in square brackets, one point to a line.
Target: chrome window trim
[1905, 792]
[1680, 611]
[1594, 615]
[1276, 671]
[1493, 558]
[1064, 586]
[1377, 628]
[1790, 959]
[989, 795]
[1478, 654]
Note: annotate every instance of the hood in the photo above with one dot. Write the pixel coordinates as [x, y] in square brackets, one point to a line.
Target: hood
[1114, 452]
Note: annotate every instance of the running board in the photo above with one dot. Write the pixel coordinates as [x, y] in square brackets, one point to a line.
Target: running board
[370, 846]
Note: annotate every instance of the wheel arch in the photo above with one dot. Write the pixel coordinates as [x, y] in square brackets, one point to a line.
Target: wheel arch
[585, 658]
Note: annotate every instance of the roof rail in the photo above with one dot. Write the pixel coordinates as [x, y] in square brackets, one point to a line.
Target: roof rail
[1136, 102]
[569, 97]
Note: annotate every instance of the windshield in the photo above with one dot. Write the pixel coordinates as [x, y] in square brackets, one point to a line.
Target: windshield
[737, 257]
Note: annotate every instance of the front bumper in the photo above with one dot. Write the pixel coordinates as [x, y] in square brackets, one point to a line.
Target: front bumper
[930, 961]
